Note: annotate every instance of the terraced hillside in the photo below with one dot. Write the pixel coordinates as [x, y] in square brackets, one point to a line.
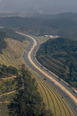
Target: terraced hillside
[60, 56]
[55, 65]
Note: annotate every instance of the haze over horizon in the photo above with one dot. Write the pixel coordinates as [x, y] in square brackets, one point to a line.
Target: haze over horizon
[38, 6]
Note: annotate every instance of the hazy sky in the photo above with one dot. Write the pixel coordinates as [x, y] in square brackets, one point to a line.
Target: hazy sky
[42, 6]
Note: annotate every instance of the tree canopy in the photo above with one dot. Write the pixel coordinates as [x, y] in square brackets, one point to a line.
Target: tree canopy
[28, 101]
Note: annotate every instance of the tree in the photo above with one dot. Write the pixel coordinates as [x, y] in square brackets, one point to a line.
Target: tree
[28, 102]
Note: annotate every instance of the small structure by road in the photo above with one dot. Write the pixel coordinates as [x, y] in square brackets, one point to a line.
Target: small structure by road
[51, 36]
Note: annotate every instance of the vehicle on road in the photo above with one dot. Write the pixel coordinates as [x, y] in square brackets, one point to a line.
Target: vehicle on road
[75, 91]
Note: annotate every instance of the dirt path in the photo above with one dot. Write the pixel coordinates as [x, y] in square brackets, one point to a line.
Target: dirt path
[8, 77]
[7, 93]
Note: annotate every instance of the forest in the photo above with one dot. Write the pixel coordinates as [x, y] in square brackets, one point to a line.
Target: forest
[60, 56]
[7, 71]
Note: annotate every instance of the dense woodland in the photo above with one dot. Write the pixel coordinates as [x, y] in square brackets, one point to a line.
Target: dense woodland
[60, 56]
[27, 101]
[7, 71]
[62, 24]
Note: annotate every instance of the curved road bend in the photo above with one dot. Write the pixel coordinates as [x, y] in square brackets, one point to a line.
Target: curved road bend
[66, 91]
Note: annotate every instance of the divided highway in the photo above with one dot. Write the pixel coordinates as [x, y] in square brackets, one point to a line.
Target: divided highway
[63, 88]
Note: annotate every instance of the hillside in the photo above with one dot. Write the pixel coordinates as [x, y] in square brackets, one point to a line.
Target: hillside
[8, 33]
[12, 58]
[61, 24]
[60, 56]
[12, 48]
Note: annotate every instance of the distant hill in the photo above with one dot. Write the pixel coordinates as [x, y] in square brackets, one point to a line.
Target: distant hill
[61, 24]
[60, 56]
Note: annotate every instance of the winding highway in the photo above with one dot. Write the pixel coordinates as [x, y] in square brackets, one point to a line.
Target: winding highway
[62, 87]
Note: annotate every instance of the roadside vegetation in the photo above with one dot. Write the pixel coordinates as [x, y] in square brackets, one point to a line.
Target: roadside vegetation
[13, 54]
[12, 57]
[53, 99]
[8, 33]
[60, 56]
[41, 39]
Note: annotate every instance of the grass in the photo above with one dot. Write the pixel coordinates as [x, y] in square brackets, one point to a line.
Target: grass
[41, 39]
[4, 109]
[12, 55]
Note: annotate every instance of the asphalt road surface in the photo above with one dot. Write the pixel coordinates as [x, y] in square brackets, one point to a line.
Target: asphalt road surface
[61, 86]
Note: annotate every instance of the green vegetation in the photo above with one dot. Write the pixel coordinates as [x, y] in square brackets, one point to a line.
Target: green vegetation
[62, 25]
[7, 85]
[7, 71]
[8, 79]
[9, 33]
[13, 54]
[41, 39]
[60, 56]
[51, 97]
[28, 101]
